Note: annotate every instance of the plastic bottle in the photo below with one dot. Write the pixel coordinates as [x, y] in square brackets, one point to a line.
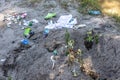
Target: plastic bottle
[94, 12]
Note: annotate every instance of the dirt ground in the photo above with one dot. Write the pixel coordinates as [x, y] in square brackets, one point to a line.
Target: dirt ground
[34, 63]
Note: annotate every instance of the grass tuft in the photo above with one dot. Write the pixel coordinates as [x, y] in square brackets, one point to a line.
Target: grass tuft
[116, 17]
[86, 5]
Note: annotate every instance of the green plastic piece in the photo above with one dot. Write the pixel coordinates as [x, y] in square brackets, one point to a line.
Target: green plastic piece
[27, 31]
[55, 52]
[30, 23]
[50, 15]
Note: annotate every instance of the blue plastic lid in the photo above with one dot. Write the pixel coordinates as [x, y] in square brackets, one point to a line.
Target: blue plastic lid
[46, 31]
[25, 41]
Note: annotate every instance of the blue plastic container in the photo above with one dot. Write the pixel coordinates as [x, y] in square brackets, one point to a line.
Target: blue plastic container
[94, 12]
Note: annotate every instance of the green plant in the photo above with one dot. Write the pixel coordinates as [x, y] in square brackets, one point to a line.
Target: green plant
[71, 44]
[89, 38]
[67, 36]
[116, 17]
[67, 53]
[9, 78]
[86, 5]
[96, 39]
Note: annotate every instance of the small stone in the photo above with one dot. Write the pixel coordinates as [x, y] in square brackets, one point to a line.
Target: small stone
[61, 71]
[52, 76]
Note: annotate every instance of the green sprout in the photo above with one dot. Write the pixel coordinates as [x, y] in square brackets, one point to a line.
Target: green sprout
[67, 36]
[96, 39]
[89, 38]
[71, 44]
[9, 78]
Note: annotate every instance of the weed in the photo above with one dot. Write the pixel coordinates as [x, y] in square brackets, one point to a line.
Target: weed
[64, 5]
[9, 78]
[67, 36]
[89, 38]
[116, 17]
[96, 39]
[71, 44]
[86, 5]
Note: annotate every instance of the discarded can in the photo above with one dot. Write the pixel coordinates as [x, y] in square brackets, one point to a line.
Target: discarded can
[94, 12]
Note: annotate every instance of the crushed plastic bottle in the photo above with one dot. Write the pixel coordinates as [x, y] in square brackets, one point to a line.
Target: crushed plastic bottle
[94, 12]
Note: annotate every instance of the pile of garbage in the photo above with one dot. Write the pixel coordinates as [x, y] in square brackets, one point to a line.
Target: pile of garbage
[73, 57]
[19, 19]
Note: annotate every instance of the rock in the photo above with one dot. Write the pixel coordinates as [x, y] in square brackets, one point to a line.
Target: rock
[2, 77]
[2, 24]
[1, 17]
[52, 76]
[51, 46]
[50, 4]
